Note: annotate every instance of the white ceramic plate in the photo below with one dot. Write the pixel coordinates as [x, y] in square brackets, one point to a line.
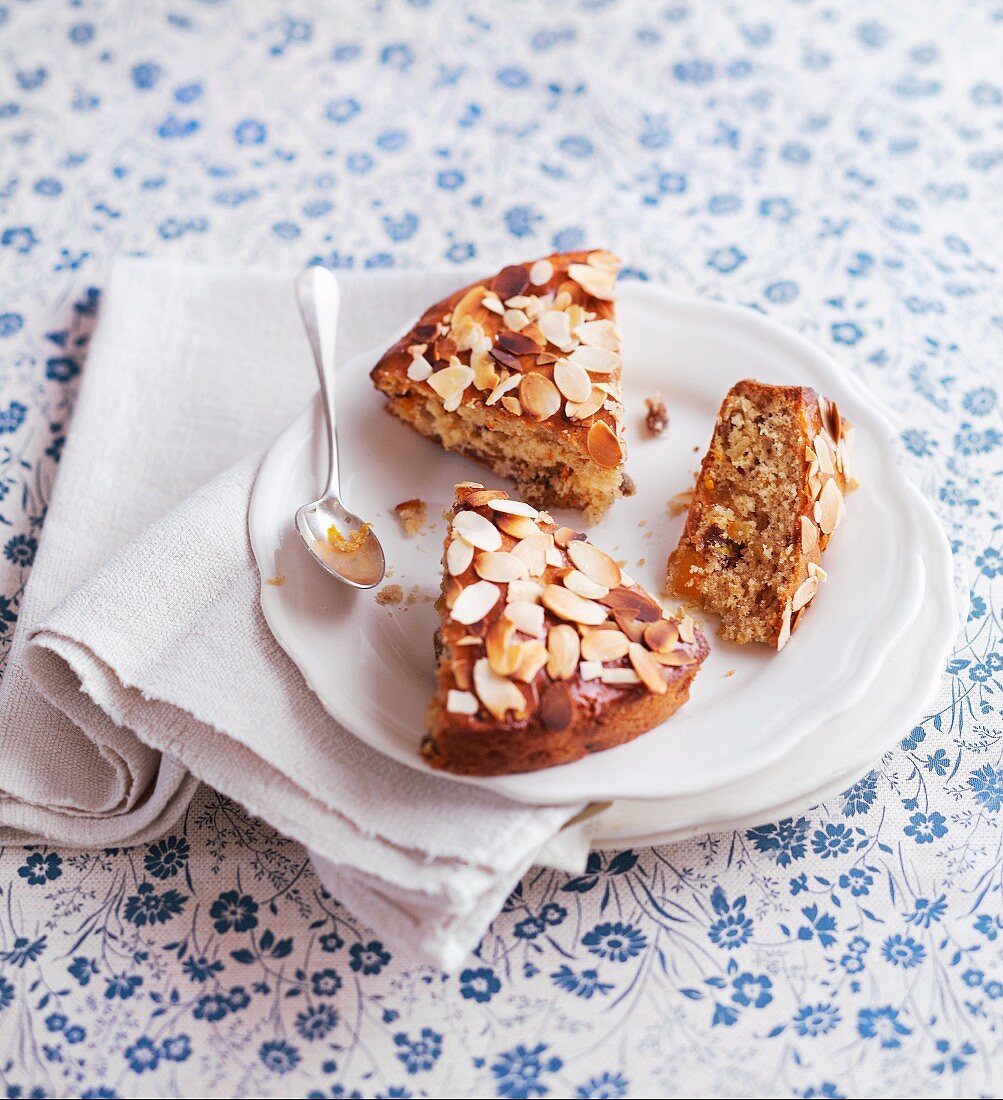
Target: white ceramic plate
[372, 666]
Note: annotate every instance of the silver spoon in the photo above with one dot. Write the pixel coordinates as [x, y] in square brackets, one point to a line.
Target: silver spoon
[343, 544]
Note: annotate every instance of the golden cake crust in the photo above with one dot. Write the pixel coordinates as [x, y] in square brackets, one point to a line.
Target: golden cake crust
[522, 686]
[805, 467]
[522, 371]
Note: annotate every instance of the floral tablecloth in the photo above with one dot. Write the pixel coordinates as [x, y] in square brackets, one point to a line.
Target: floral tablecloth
[837, 166]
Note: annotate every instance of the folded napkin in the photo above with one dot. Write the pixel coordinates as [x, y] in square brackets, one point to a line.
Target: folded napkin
[141, 662]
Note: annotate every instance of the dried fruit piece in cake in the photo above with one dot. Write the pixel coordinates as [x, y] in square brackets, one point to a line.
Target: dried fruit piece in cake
[522, 371]
[547, 649]
[767, 499]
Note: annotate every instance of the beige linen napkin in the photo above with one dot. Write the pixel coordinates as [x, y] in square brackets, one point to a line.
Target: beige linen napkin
[146, 644]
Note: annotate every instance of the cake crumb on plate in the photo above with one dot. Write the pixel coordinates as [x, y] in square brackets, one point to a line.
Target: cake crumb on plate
[390, 594]
[411, 514]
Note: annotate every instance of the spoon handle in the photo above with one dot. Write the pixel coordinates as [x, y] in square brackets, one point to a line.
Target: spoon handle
[319, 300]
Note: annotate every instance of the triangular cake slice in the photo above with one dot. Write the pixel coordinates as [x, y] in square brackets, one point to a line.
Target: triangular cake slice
[547, 649]
[767, 499]
[522, 372]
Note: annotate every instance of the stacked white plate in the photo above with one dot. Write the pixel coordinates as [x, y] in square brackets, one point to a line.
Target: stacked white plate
[764, 734]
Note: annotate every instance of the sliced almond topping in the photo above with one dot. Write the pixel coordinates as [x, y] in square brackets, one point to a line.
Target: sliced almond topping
[605, 645]
[582, 585]
[597, 281]
[818, 572]
[524, 592]
[477, 530]
[562, 299]
[451, 590]
[662, 636]
[449, 383]
[603, 445]
[594, 563]
[675, 658]
[461, 702]
[532, 550]
[541, 272]
[554, 557]
[575, 609]
[814, 486]
[805, 593]
[465, 309]
[461, 673]
[647, 669]
[595, 360]
[563, 648]
[459, 555]
[492, 302]
[502, 388]
[497, 565]
[468, 336]
[619, 676]
[828, 510]
[485, 371]
[532, 657]
[582, 410]
[498, 694]
[809, 535]
[632, 627]
[515, 319]
[564, 535]
[513, 507]
[785, 627]
[474, 602]
[599, 334]
[519, 527]
[540, 397]
[557, 708]
[527, 617]
[503, 656]
[599, 257]
[479, 497]
[572, 380]
[556, 328]
[590, 670]
[824, 453]
[420, 369]
[512, 405]
[686, 628]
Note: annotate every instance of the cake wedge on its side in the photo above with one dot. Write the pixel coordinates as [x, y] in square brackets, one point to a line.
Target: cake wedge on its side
[769, 495]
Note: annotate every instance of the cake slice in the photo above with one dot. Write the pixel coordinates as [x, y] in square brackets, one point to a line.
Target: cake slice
[522, 372]
[547, 649]
[767, 499]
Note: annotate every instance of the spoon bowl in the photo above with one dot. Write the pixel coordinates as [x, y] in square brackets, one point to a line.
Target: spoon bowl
[339, 540]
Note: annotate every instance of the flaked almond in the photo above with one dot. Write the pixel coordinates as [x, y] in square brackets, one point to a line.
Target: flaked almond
[687, 630]
[590, 670]
[599, 257]
[477, 530]
[459, 555]
[824, 453]
[634, 628]
[474, 602]
[619, 676]
[510, 281]
[539, 396]
[662, 636]
[563, 650]
[532, 550]
[599, 334]
[557, 708]
[541, 272]
[513, 507]
[594, 563]
[605, 645]
[525, 591]
[518, 343]
[785, 626]
[809, 535]
[461, 674]
[503, 656]
[515, 319]
[493, 303]
[805, 593]
[512, 405]
[818, 572]
[420, 369]
[582, 410]
[564, 535]
[499, 566]
[449, 383]
[479, 497]
[575, 609]
[498, 694]
[519, 527]
[451, 589]
[572, 380]
[532, 657]
[502, 388]
[527, 616]
[603, 445]
[632, 602]
[675, 658]
[465, 309]
[582, 585]
[554, 557]
[595, 360]
[461, 702]
[597, 281]
[647, 668]
[829, 507]
[555, 326]
[485, 370]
